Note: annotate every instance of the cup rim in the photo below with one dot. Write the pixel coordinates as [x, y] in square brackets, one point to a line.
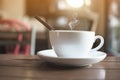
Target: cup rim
[71, 31]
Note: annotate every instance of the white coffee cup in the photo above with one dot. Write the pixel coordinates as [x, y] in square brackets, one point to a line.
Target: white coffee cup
[74, 44]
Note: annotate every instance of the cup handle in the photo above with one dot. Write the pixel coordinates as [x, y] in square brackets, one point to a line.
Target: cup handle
[100, 44]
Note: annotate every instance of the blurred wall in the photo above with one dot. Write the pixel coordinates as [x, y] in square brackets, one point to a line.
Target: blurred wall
[13, 8]
[0, 4]
[100, 6]
[37, 7]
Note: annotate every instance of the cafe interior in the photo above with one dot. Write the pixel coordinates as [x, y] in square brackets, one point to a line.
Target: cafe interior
[21, 33]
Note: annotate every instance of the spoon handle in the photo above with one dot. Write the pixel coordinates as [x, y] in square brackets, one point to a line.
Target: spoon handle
[44, 23]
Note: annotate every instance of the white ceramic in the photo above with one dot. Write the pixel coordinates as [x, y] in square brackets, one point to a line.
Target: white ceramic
[74, 44]
[50, 56]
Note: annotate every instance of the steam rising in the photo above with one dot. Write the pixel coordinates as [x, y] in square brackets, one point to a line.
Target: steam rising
[74, 21]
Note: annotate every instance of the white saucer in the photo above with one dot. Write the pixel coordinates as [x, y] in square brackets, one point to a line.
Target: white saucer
[50, 56]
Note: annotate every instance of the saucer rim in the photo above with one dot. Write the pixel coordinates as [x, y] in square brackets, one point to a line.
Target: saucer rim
[102, 56]
[75, 62]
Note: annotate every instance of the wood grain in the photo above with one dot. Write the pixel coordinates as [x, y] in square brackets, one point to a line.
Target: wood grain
[21, 67]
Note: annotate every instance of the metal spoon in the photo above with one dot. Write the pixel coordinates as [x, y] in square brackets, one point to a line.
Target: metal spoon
[44, 23]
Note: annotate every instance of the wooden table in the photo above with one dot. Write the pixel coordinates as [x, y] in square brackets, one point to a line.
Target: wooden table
[21, 67]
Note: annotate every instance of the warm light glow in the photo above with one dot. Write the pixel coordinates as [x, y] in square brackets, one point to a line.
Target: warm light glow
[88, 2]
[75, 3]
[61, 5]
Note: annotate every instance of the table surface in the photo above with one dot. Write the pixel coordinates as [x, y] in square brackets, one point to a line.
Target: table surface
[21, 67]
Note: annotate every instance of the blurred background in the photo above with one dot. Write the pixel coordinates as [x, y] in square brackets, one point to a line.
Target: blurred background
[55, 12]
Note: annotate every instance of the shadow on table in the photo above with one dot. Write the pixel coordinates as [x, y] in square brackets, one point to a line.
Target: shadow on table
[52, 66]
